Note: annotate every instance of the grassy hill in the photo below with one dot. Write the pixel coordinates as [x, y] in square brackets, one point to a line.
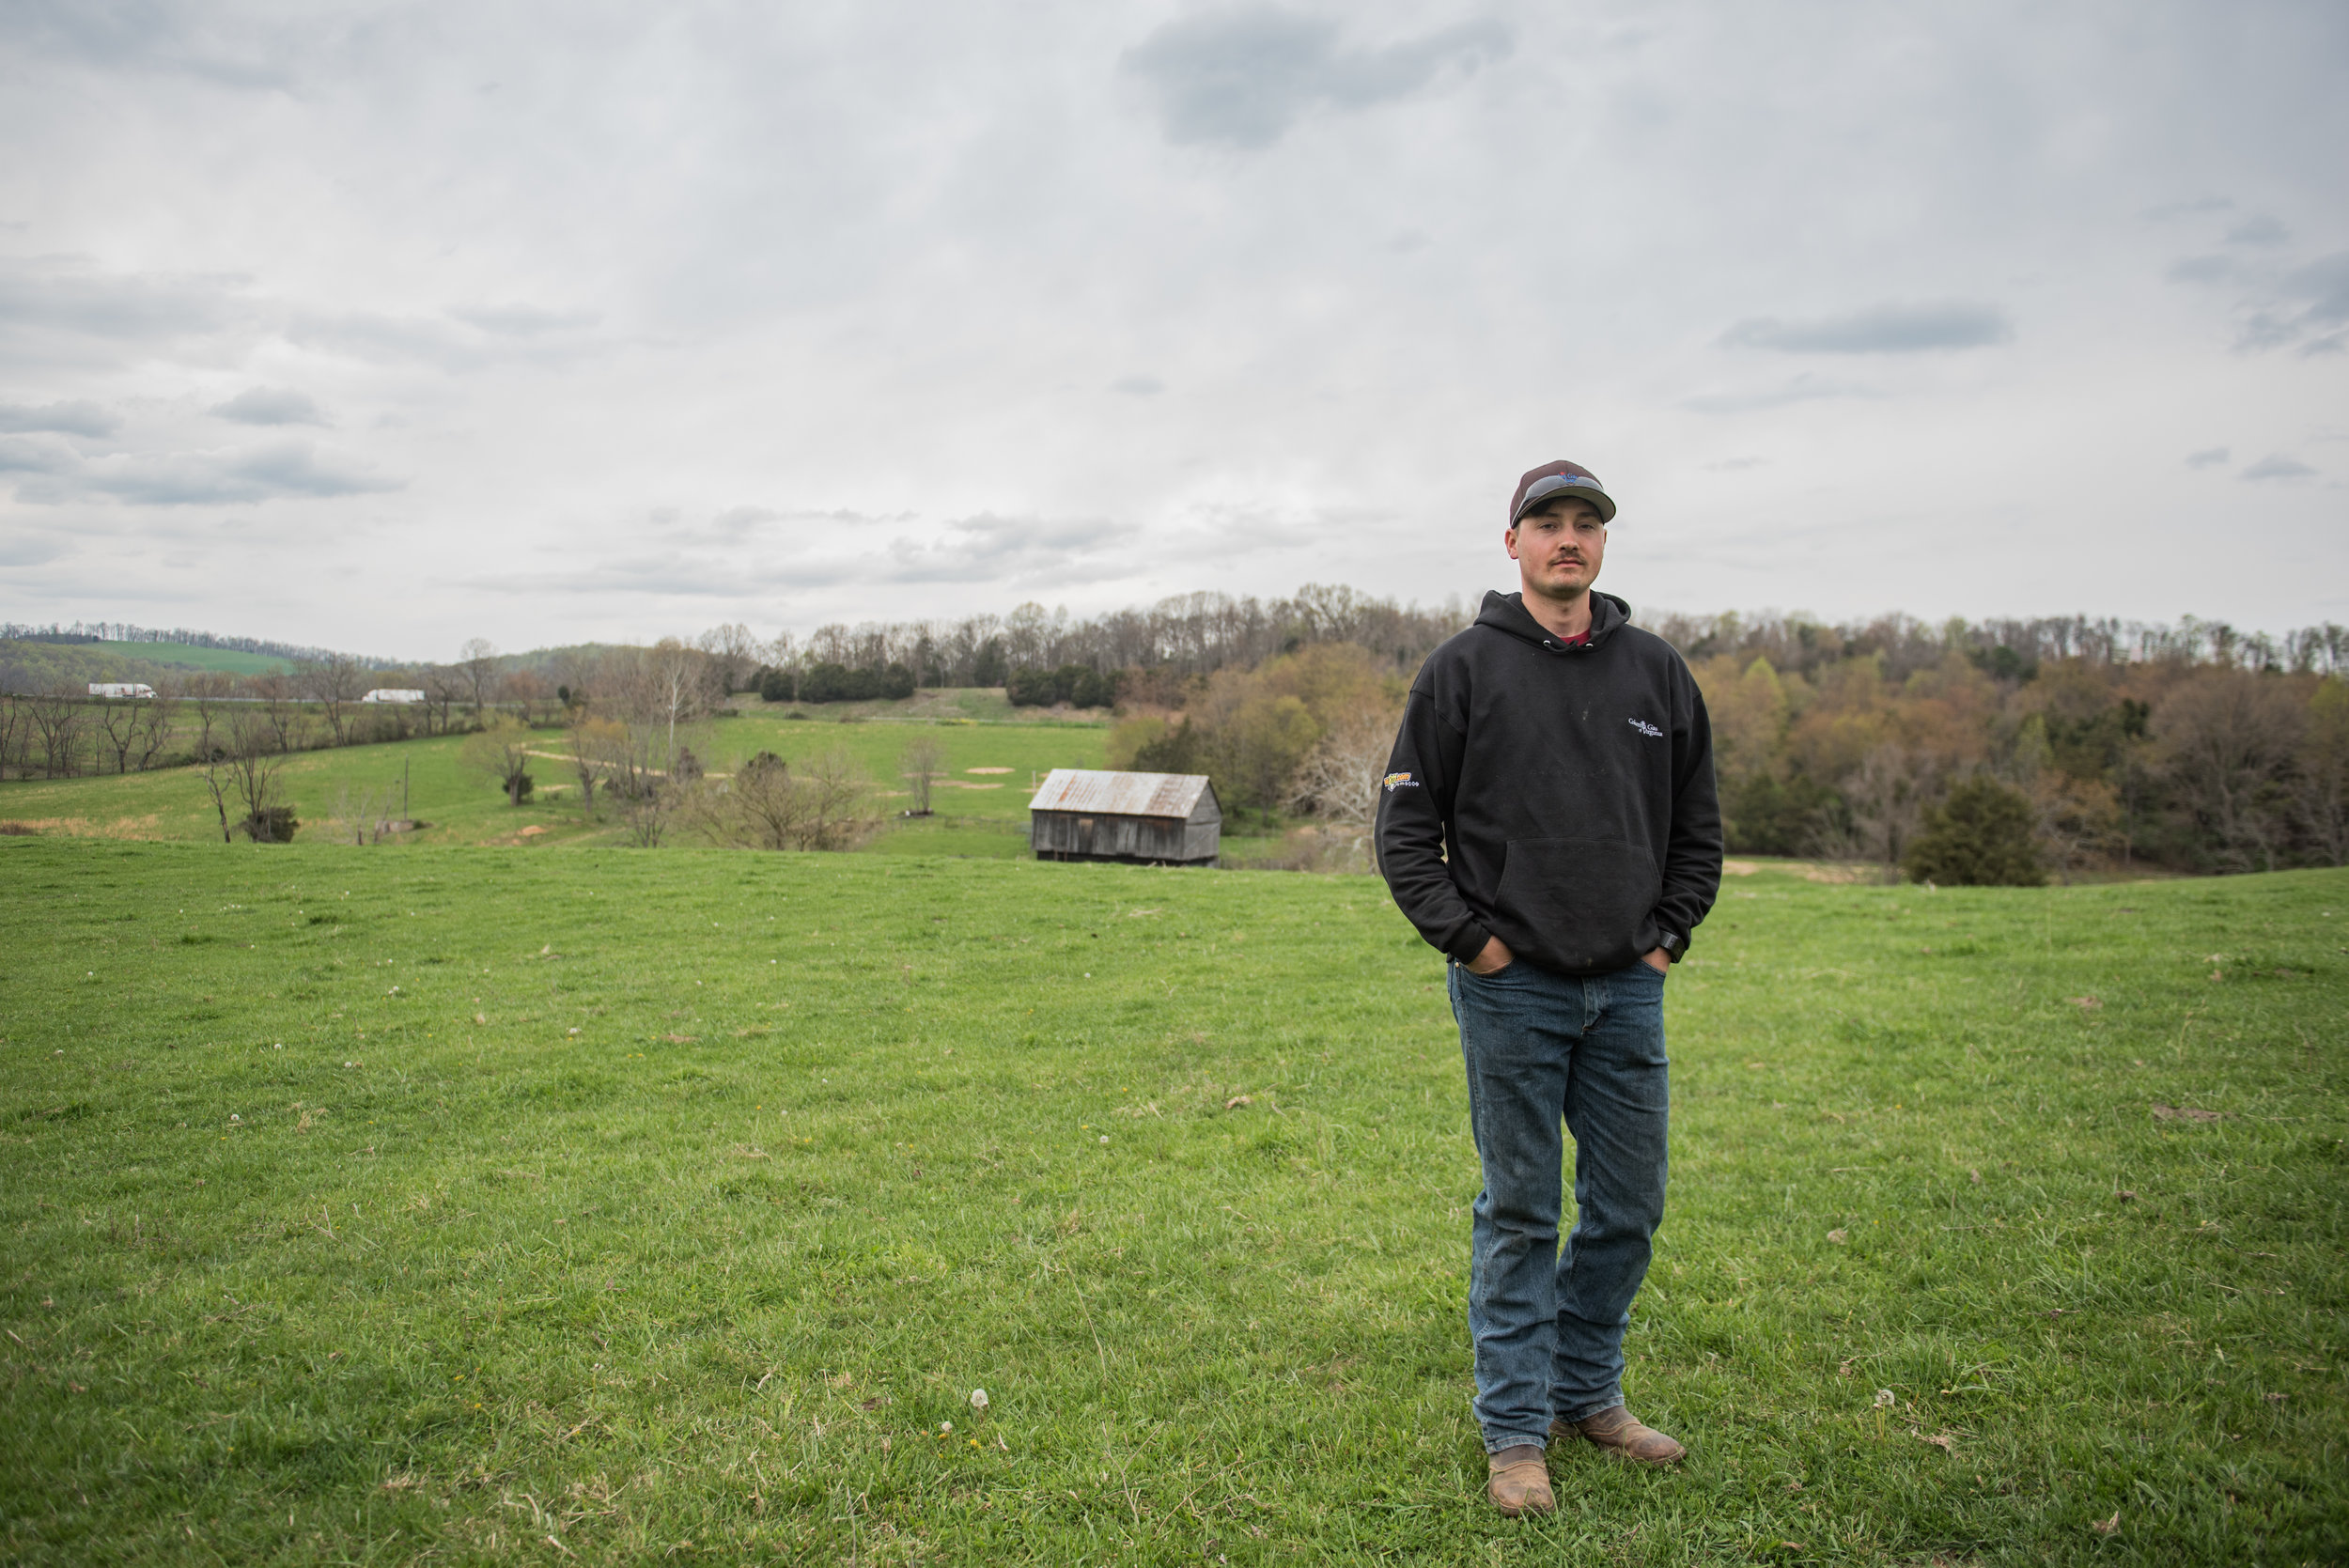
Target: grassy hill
[187, 656]
[39, 666]
[494, 1204]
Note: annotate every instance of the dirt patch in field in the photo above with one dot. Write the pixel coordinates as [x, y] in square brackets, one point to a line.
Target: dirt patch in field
[1839, 874]
[83, 826]
[987, 770]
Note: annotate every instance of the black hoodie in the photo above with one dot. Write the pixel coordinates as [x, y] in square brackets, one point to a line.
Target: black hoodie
[1559, 797]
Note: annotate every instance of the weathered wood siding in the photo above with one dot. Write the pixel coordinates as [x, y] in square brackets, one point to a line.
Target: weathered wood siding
[1076, 818]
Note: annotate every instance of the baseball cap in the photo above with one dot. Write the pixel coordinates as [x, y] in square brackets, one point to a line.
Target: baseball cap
[1560, 478]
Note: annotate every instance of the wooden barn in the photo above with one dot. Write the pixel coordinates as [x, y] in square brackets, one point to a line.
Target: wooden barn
[1140, 819]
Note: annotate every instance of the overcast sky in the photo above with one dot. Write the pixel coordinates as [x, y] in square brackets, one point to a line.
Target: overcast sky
[381, 326]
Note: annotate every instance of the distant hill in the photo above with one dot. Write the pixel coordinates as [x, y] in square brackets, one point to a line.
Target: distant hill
[29, 666]
[187, 656]
[179, 646]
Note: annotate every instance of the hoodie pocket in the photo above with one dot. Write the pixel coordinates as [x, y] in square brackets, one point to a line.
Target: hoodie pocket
[1581, 905]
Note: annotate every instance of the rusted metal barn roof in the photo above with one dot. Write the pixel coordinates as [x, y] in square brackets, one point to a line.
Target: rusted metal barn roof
[1085, 789]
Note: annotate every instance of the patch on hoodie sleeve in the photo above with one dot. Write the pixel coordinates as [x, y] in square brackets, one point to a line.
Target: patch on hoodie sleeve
[1394, 781]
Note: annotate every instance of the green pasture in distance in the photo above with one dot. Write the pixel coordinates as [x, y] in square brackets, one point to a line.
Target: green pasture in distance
[487, 1205]
[233, 660]
[988, 810]
[97, 659]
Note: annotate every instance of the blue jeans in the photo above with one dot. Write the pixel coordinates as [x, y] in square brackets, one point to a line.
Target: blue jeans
[1543, 1048]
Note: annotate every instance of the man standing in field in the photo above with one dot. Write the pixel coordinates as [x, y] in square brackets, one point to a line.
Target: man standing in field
[1548, 822]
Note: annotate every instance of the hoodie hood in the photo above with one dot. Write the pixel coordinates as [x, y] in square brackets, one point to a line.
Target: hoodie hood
[1507, 613]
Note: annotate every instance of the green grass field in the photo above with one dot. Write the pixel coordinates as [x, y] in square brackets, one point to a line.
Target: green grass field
[102, 661]
[977, 813]
[980, 809]
[189, 656]
[463, 1205]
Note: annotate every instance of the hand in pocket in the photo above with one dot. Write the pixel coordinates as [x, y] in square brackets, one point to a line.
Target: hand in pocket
[1495, 957]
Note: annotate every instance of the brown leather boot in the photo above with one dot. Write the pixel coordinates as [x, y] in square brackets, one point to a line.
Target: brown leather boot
[1521, 1481]
[1617, 1430]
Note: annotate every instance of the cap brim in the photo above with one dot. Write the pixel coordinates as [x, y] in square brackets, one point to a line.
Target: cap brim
[1566, 487]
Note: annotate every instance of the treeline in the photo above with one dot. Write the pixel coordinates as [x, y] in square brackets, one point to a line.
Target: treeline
[2068, 744]
[2191, 746]
[1041, 657]
[58, 730]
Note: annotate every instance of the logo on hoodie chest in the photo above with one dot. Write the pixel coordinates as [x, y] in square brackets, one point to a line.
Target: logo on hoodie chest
[1647, 729]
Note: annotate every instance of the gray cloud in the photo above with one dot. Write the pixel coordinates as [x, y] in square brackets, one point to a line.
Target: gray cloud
[72, 419]
[1243, 77]
[264, 405]
[2258, 230]
[2278, 465]
[62, 310]
[455, 343]
[1805, 388]
[2197, 207]
[148, 35]
[2206, 269]
[2209, 457]
[757, 549]
[1138, 387]
[25, 548]
[55, 474]
[1015, 550]
[1884, 329]
[2303, 308]
[525, 321]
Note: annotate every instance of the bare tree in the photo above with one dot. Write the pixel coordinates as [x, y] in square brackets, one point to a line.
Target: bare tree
[759, 808]
[734, 654]
[1338, 781]
[360, 813]
[574, 671]
[2323, 772]
[15, 721]
[840, 814]
[2073, 819]
[765, 805]
[922, 762]
[121, 720]
[281, 707]
[597, 745]
[246, 771]
[207, 692]
[444, 687]
[526, 692]
[645, 815]
[500, 750]
[2227, 738]
[478, 661]
[58, 717]
[679, 687]
[1885, 796]
[336, 683]
[217, 780]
